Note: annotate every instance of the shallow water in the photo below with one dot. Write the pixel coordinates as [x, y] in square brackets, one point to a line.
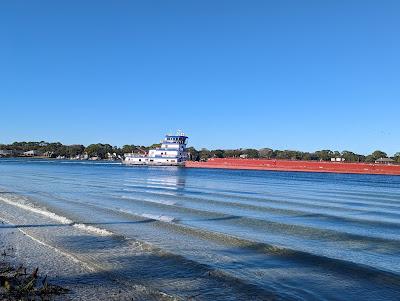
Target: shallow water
[260, 234]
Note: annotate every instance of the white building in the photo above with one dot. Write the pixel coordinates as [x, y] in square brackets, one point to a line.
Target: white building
[5, 153]
[338, 159]
[171, 152]
[31, 153]
[384, 161]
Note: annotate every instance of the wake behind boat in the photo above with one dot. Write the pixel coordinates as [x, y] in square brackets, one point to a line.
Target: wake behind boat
[172, 152]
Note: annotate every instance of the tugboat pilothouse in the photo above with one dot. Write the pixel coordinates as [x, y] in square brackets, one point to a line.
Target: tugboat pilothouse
[172, 152]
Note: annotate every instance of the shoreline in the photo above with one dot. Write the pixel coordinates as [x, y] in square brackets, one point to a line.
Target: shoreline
[27, 242]
[21, 277]
[17, 282]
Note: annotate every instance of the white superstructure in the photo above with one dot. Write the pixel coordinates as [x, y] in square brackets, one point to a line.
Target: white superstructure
[171, 152]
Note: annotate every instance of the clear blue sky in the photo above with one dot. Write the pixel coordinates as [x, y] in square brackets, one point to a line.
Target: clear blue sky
[301, 75]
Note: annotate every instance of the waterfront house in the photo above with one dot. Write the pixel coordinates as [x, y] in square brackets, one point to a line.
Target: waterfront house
[384, 161]
[112, 156]
[6, 153]
[31, 153]
[48, 154]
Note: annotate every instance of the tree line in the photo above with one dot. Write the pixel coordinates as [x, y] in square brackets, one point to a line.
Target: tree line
[57, 149]
[102, 151]
[267, 153]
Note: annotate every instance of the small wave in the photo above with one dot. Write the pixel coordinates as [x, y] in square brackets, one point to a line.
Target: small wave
[30, 207]
[164, 202]
[162, 218]
[92, 229]
[301, 256]
[62, 219]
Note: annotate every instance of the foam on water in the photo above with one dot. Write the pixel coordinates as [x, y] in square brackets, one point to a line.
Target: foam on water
[92, 229]
[20, 203]
[30, 207]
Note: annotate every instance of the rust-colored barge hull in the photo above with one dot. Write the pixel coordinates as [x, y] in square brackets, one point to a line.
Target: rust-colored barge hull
[305, 166]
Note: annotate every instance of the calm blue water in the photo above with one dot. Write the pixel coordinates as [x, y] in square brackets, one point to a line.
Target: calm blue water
[298, 236]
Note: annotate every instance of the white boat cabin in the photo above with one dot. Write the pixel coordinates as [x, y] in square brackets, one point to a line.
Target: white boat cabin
[171, 152]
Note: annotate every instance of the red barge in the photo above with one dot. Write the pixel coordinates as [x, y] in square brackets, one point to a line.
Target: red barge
[296, 165]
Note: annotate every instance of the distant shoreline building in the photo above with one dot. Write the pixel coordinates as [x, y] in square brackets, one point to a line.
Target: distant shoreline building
[31, 153]
[6, 153]
[384, 161]
[339, 159]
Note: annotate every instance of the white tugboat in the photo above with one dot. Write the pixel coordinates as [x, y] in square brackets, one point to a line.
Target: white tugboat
[172, 152]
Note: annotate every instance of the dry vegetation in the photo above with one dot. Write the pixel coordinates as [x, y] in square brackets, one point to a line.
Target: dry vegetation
[17, 283]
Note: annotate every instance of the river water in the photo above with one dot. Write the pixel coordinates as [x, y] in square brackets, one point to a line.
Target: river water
[219, 234]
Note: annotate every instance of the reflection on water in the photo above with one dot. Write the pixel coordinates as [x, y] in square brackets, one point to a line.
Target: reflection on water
[174, 181]
[292, 235]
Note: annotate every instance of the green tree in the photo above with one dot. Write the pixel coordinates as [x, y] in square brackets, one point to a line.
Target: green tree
[56, 149]
[309, 156]
[233, 153]
[251, 153]
[265, 153]
[204, 154]
[279, 154]
[379, 154]
[287, 155]
[126, 149]
[350, 156]
[117, 150]
[218, 153]
[75, 150]
[325, 155]
[99, 150]
[375, 156]
[194, 155]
